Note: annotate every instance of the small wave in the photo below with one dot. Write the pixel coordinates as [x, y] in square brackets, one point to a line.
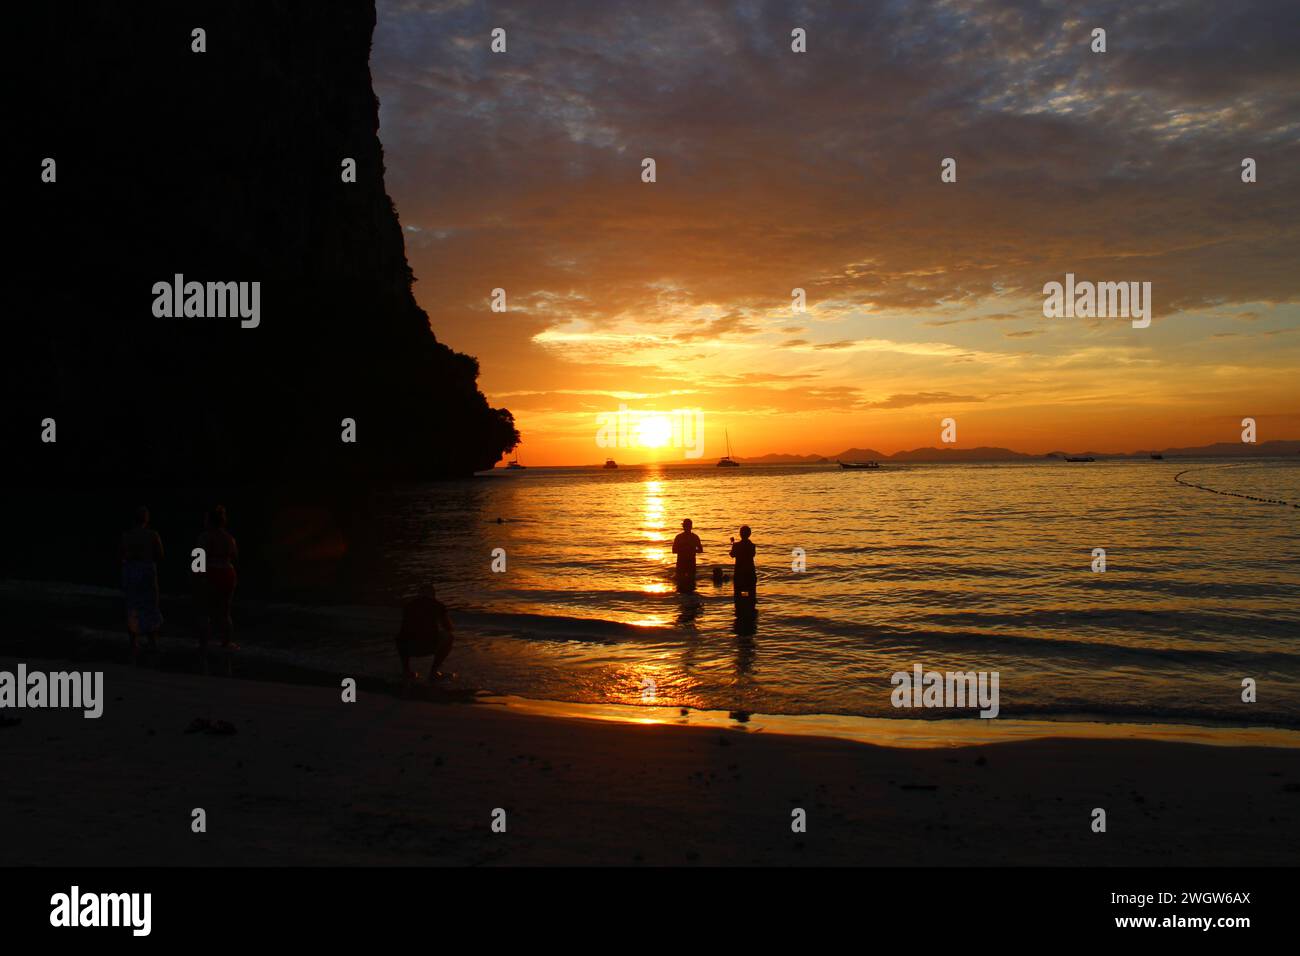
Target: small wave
[1177, 622]
[1119, 711]
[560, 627]
[1105, 652]
[1166, 587]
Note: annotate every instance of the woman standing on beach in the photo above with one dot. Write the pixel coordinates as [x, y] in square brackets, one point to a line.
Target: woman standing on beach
[141, 553]
[218, 584]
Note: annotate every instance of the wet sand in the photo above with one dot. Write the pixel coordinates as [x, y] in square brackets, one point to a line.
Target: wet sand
[308, 779]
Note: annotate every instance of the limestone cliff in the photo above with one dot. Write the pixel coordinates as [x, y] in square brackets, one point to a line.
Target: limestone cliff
[221, 166]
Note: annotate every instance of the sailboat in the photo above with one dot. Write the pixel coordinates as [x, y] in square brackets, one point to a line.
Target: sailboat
[514, 463]
[728, 461]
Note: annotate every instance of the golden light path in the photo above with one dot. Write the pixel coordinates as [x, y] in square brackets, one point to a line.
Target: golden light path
[653, 530]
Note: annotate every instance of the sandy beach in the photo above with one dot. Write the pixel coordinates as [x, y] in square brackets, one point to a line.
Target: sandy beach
[308, 779]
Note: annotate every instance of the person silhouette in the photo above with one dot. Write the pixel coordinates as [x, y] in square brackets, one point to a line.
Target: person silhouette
[217, 587]
[426, 630]
[745, 576]
[686, 546]
[141, 553]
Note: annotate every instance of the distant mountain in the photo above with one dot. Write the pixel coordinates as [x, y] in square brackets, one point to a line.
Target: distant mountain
[860, 454]
[916, 454]
[849, 454]
[784, 459]
[1232, 449]
[1268, 449]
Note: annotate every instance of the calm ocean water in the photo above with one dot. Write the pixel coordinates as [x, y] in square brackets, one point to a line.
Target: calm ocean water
[982, 567]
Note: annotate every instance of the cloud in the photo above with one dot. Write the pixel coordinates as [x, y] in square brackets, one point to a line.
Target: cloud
[731, 323]
[922, 398]
[821, 171]
[534, 169]
[992, 317]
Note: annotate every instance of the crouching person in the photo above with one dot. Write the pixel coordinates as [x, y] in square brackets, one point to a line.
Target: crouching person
[426, 631]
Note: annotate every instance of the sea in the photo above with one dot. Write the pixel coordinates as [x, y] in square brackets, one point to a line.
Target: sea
[1121, 590]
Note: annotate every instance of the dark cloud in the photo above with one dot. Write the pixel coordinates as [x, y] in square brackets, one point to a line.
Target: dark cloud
[1124, 162]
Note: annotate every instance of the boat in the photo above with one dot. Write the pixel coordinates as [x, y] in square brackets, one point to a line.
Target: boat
[728, 461]
[1079, 458]
[610, 463]
[514, 463]
[1156, 456]
[858, 464]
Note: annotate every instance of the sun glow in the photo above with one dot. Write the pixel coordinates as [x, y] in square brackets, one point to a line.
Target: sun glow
[654, 431]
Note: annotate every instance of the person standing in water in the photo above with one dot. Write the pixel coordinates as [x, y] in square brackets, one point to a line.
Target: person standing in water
[745, 577]
[141, 553]
[686, 546]
[217, 588]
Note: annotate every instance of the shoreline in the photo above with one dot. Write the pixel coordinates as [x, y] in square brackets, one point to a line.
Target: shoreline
[53, 638]
[257, 666]
[308, 779]
[908, 733]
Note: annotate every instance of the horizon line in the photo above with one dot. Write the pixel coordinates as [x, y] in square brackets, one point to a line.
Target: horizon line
[813, 458]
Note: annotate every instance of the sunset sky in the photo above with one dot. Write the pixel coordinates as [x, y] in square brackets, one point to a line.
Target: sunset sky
[821, 170]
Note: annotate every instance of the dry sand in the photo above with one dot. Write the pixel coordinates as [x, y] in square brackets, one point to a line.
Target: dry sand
[308, 779]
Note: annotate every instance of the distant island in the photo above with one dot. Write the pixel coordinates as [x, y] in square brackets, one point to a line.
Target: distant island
[1268, 449]
[983, 453]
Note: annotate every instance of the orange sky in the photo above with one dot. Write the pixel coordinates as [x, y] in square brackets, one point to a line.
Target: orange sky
[821, 171]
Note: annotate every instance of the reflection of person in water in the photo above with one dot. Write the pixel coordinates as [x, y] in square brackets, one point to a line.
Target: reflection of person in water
[745, 576]
[689, 612]
[142, 552]
[686, 546]
[746, 652]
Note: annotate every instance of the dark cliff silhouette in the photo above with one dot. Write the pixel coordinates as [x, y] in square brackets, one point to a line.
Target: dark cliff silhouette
[221, 166]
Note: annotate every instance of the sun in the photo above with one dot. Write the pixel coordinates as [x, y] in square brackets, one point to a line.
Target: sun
[654, 431]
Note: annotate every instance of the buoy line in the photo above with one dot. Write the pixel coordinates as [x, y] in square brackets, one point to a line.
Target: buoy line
[1235, 494]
